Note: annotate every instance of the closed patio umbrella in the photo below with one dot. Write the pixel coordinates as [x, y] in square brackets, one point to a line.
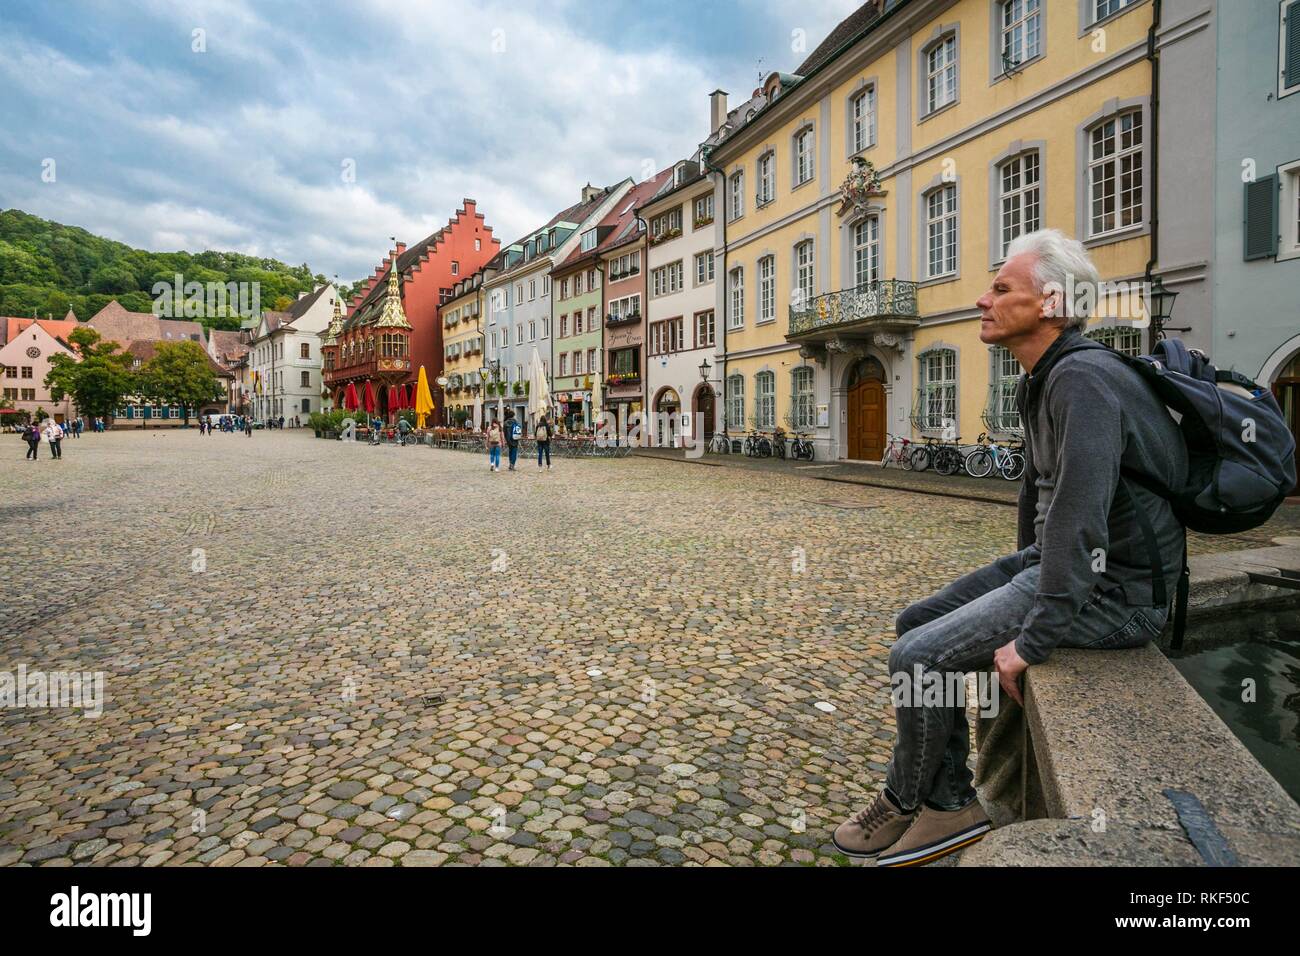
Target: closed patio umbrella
[370, 397]
[423, 400]
[350, 399]
[539, 393]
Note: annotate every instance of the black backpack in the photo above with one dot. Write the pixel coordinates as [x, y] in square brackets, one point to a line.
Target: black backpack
[1240, 453]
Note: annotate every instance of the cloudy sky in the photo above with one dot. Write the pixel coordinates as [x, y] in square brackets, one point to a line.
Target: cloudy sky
[242, 136]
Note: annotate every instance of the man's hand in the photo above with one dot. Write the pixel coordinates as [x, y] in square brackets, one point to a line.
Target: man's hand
[1010, 665]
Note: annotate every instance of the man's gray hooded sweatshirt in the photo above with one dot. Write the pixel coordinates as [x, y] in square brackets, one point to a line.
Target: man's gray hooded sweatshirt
[1086, 416]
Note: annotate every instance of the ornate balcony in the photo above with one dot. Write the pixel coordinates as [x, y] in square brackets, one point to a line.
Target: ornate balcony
[623, 319]
[882, 312]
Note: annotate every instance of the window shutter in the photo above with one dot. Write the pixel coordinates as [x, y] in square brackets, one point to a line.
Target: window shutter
[1261, 218]
[1291, 62]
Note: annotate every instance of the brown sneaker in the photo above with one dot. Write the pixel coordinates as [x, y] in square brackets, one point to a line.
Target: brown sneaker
[873, 830]
[937, 833]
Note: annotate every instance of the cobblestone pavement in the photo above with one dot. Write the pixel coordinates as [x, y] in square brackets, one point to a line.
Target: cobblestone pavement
[319, 653]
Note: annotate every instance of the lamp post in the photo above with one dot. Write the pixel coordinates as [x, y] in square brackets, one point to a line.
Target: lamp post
[1160, 306]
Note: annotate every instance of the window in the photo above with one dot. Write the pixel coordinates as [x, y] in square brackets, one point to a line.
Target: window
[766, 179]
[625, 362]
[519, 334]
[593, 280]
[941, 74]
[1288, 50]
[1020, 199]
[591, 318]
[304, 350]
[1002, 414]
[546, 326]
[766, 289]
[1101, 9]
[938, 389]
[804, 158]
[704, 332]
[455, 267]
[703, 268]
[27, 371]
[1289, 226]
[1115, 173]
[866, 252]
[577, 284]
[564, 363]
[737, 205]
[801, 392]
[941, 231]
[29, 394]
[305, 382]
[667, 279]
[666, 224]
[588, 240]
[765, 400]
[805, 273]
[736, 319]
[863, 133]
[546, 285]
[577, 323]
[1021, 31]
[735, 409]
[519, 373]
[704, 210]
[577, 363]
[519, 292]
[564, 326]
[593, 365]
[532, 330]
[532, 289]
[564, 288]
[1120, 338]
[478, 245]
[306, 404]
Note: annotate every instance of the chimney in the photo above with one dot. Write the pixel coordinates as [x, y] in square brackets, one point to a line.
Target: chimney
[717, 109]
[590, 192]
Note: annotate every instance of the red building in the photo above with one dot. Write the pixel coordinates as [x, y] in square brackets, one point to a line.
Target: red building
[427, 273]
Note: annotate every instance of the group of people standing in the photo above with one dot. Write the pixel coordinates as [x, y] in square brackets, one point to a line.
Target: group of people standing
[509, 434]
[227, 423]
[50, 432]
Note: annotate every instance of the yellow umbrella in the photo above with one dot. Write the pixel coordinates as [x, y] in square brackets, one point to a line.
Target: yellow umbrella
[423, 400]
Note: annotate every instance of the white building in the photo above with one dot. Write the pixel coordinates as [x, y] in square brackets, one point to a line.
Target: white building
[681, 324]
[284, 358]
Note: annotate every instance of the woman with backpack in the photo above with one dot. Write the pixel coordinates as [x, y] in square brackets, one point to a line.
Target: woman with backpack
[494, 439]
[543, 435]
[32, 435]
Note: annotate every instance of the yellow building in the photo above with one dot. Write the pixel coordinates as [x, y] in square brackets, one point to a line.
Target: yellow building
[462, 316]
[870, 196]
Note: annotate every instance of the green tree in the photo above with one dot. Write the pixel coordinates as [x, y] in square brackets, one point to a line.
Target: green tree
[180, 374]
[97, 379]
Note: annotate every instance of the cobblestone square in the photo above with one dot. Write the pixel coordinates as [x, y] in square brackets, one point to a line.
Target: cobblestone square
[320, 653]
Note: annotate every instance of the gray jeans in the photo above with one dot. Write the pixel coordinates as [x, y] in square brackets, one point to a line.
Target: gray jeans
[958, 630]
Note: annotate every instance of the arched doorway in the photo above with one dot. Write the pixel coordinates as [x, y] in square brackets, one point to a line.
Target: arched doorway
[1286, 389]
[703, 405]
[667, 406]
[865, 398]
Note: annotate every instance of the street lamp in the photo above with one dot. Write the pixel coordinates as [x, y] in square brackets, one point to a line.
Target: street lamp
[1160, 306]
[705, 369]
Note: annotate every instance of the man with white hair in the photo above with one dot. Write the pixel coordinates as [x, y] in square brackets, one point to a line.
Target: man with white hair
[1083, 576]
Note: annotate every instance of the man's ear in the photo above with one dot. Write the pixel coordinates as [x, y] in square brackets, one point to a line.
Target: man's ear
[1051, 303]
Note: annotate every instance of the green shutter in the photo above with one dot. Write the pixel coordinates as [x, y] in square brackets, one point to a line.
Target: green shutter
[1291, 55]
[1261, 218]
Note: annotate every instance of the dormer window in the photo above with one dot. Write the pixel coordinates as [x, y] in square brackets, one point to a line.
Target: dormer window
[589, 240]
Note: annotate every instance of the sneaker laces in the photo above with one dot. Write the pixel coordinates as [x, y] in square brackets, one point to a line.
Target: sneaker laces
[874, 815]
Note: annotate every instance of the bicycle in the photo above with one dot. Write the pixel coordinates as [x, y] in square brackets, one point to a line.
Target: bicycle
[778, 443]
[1012, 467]
[720, 444]
[945, 457]
[801, 449]
[897, 453]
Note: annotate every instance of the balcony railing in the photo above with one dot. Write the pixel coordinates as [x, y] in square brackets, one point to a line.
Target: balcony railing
[893, 300]
[623, 319]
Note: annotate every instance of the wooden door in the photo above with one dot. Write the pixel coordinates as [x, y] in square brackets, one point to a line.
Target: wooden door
[704, 407]
[1287, 393]
[867, 421]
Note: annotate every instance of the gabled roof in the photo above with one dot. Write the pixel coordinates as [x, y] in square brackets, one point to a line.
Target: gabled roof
[303, 303]
[145, 350]
[227, 345]
[117, 324]
[44, 327]
[844, 32]
[59, 328]
[620, 223]
[577, 213]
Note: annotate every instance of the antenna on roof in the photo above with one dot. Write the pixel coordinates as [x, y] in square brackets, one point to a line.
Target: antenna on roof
[760, 69]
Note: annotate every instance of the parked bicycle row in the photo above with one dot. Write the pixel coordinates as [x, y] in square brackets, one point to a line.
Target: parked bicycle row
[980, 460]
[761, 444]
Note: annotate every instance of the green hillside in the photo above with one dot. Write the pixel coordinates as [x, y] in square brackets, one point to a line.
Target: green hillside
[49, 267]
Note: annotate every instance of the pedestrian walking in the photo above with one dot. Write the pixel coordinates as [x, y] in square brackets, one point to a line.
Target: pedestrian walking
[543, 435]
[32, 435]
[513, 432]
[53, 435]
[494, 446]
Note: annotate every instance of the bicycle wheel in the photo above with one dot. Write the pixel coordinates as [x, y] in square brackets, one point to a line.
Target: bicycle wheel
[1012, 466]
[920, 458]
[764, 448]
[947, 462]
[979, 463]
[905, 459]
